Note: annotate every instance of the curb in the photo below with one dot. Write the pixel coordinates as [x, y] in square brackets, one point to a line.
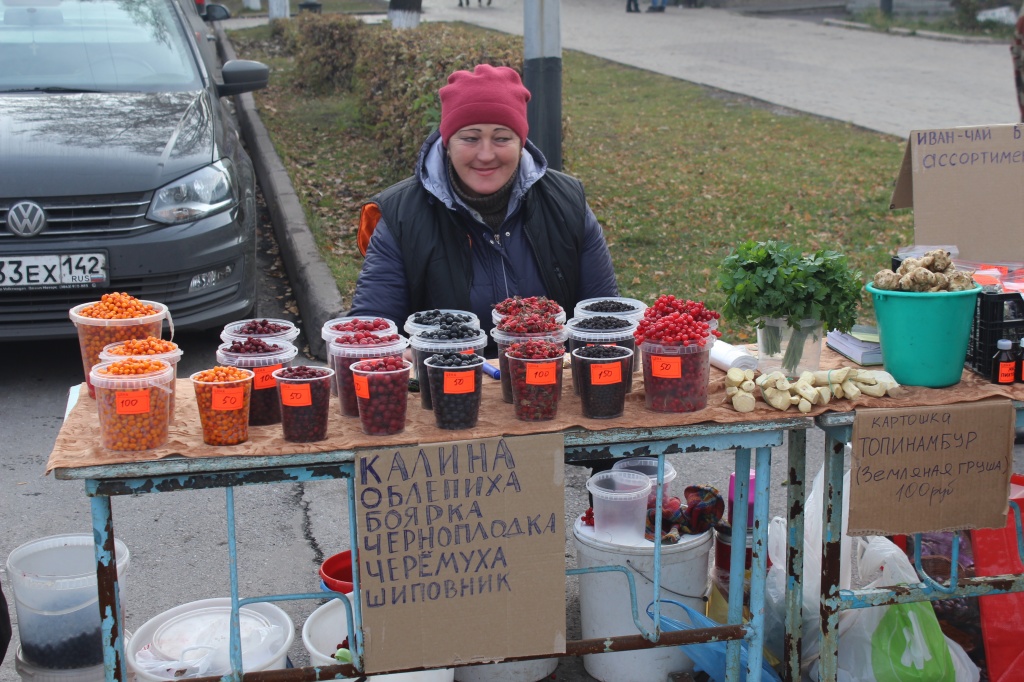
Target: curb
[912, 33]
[316, 291]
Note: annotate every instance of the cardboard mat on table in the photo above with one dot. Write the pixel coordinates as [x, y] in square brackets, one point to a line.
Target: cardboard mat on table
[77, 444]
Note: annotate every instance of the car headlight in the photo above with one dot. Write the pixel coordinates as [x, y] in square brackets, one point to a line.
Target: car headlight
[207, 191]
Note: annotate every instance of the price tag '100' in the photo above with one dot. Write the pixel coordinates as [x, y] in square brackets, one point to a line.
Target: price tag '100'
[132, 402]
[264, 377]
[541, 373]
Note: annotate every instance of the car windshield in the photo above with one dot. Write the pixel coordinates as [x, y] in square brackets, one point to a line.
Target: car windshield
[94, 45]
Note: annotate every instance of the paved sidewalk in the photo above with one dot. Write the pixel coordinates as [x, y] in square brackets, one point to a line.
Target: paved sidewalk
[889, 83]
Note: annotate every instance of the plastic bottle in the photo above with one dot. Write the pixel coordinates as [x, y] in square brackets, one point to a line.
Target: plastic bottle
[1004, 363]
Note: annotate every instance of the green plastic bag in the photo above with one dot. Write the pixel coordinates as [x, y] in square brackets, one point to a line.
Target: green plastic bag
[908, 646]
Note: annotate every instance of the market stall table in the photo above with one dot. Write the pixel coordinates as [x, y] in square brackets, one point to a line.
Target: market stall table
[186, 463]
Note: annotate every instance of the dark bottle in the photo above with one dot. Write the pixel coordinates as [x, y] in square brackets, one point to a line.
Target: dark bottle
[1004, 363]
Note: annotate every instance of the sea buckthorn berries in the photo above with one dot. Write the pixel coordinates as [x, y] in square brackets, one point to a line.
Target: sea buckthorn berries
[223, 396]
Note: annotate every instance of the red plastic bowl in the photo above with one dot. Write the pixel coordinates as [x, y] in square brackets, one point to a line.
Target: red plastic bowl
[336, 572]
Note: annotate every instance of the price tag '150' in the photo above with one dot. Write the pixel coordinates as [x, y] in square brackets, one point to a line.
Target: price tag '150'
[132, 402]
[667, 366]
[604, 373]
[295, 394]
[541, 373]
[460, 382]
[228, 398]
[265, 377]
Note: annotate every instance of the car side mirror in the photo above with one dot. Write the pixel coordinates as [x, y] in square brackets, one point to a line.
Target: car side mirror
[242, 75]
[216, 12]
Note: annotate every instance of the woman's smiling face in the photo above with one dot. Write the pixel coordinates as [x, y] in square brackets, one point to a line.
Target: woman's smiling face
[484, 156]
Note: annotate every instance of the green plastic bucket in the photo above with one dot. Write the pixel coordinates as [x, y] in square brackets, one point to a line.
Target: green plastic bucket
[924, 335]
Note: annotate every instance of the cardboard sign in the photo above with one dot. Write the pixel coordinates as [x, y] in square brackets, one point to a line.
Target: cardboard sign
[461, 551]
[931, 468]
[966, 186]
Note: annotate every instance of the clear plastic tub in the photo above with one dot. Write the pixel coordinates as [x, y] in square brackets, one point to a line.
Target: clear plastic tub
[110, 354]
[305, 402]
[233, 330]
[649, 467]
[134, 410]
[536, 387]
[53, 585]
[676, 376]
[412, 327]
[424, 348]
[382, 397]
[95, 333]
[633, 309]
[224, 408]
[343, 355]
[456, 393]
[620, 505]
[329, 331]
[603, 381]
[506, 339]
[265, 402]
[581, 338]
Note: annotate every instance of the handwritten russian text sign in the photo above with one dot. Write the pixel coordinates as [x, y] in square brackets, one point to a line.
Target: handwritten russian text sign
[461, 551]
[931, 468]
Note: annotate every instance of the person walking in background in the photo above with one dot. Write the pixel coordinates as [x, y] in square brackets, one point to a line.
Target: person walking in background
[657, 6]
[482, 219]
[632, 5]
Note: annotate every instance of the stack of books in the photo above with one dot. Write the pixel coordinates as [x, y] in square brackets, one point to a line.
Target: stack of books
[861, 344]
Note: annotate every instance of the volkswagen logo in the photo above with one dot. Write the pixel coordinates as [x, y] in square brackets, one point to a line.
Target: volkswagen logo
[26, 219]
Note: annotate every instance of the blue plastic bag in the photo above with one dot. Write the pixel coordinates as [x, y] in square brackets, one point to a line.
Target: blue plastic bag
[708, 657]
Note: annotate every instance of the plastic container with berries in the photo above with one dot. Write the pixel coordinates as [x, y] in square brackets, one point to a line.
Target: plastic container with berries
[456, 386]
[133, 400]
[348, 349]
[431, 319]
[518, 305]
[305, 402]
[263, 357]
[603, 375]
[601, 330]
[615, 306]
[454, 338]
[260, 328]
[381, 387]
[223, 396]
[535, 373]
[555, 333]
[152, 348]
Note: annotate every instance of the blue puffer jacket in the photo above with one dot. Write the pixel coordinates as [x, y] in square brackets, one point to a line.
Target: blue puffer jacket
[503, 263]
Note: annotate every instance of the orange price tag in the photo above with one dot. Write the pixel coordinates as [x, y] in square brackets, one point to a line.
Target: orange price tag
[228, 398]
[459, 382]
[540, 373]
[296, 395]
[468, 351]
[605, 373]
[667, 366]
[265, 377]
[132, 402]
[362, 385]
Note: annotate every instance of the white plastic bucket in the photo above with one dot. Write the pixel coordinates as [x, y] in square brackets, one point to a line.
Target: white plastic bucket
[33, 673]
[202, 626]
[53, 582]
[605, 605]
[512, 671]
[326, 627]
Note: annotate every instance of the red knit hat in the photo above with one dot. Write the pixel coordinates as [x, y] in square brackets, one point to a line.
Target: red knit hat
[488, 94]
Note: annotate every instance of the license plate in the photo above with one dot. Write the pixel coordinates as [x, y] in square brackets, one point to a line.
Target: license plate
[69, 271]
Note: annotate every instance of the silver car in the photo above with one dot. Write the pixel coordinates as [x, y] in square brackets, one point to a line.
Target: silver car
[120, 167]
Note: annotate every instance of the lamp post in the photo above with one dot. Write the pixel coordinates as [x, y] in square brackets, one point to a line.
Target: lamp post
[542, 76]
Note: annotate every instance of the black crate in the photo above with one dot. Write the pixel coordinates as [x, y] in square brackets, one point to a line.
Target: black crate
[996, 316]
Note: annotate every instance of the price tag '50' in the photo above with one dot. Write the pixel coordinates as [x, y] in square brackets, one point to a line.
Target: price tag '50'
[667, 366]
[295, 395]
[228, 398]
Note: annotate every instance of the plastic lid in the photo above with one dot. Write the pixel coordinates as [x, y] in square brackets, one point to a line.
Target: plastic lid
[355, 367]
[191, 634]
[651, 348]
[286, 353]
[600, 335]
[355, 350]
[231, 330]
[77, 318]
[647, 466]
[119, 382]
[411, 328]
[1004, 344]
[638, 307]
[618, 485]
[557, 335]
[429, 362]
[171, 356]
[328, 334]
[454, 345]
[497, 317]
